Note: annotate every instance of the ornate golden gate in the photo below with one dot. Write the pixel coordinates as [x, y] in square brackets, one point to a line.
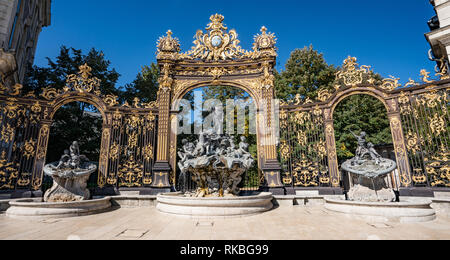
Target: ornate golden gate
[217, 60]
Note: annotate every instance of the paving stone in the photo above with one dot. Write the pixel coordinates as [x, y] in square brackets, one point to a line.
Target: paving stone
[133, 233]
[285, 223]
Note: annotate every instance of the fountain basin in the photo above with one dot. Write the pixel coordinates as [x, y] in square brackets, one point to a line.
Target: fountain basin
[177, 204]
[403, 212]
[29, 208]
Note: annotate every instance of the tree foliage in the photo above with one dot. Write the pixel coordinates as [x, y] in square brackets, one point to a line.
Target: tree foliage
[360, 113]
[68, 62]
[306, 72]
[76, 121]
[145, 86]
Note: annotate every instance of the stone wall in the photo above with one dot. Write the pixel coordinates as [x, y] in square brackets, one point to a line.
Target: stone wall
[21, 22]
[439, 39]
[6, 20]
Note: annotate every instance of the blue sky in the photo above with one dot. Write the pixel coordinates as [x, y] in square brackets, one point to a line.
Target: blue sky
[387, 35]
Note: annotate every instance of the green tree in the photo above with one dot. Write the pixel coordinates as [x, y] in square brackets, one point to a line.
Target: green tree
[145, 86]
[76, 121]
[306, 72]
[360, 113]
[68, 62]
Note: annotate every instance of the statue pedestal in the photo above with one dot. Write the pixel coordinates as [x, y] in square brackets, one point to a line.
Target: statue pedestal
[404, 212]
[371, 190]
[211, 207]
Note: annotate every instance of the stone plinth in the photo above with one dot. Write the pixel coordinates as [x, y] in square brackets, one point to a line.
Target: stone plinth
[35, 209]
[177, 204]
[404, 212]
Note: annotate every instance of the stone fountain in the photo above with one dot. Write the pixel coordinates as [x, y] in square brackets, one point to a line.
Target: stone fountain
[368, 171]
[69, 195]
[70, 176]
[216, 166]
[371, 197]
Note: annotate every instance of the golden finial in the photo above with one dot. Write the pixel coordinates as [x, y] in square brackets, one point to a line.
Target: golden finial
[264, 30]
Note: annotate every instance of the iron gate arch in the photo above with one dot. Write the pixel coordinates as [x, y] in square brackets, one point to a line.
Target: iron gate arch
[250, 183]
[211, 64]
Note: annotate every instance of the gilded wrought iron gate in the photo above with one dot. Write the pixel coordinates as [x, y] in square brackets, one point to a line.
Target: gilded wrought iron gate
[132, 149]
[303, 150]
[128, 135]
[420, 126]
[425, 120]
[19, 136]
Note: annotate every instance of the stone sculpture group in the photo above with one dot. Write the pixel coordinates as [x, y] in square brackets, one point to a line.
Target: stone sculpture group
[216, 164]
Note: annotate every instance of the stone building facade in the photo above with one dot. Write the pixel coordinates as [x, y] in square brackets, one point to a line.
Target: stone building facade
[439, 36]
[21, 22]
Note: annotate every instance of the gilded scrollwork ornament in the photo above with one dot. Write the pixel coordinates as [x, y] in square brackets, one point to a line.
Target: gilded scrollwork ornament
[7, 133]
[111, 100]
[217, 44]
[165, 81]
[413, 142]
[324, 95]
[305, 173]
[82, 82]
[131, 173]
[390, 84]
[29, 149]
[285, 150]
[437, 125]
[24, 180]
[148, 152]
[425, 76]
[114, 151]
[8, 172]
[350, 74]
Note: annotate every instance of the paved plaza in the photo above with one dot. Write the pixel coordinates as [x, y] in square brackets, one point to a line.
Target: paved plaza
[284, 223]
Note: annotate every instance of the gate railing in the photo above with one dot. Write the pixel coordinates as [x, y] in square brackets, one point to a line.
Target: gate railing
[303, 150]
[128, 135]
[425, 120]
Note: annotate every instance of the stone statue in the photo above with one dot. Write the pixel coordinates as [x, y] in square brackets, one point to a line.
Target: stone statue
[215, 164]
[8, 66]
[188, 151]
[64, 162]
[186, 155]
[368, 171]
[70, 176]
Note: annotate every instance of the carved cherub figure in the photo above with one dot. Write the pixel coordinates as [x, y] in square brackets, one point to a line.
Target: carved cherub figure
[202, 145]
[374, 154]
[243, 148]
[188, 151]
[64, 162]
